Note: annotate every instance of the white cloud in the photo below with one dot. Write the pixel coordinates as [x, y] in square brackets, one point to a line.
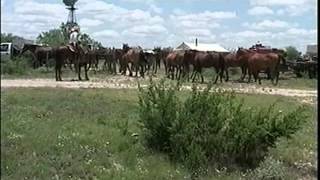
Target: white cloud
[197, 32]
[106, 33]
[290, 7]
[144, 30]
[268, 25]
[260, 10]
[2, 3]
[155, 9]
[178, 11]
[278, 2]
[297, 37]
[302, 32]
[29, 18]
[206, 16]
[90, 22]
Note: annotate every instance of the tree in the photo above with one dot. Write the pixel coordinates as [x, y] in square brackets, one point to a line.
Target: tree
[53, 37]
[8, 37]
[292, 53]
[60, 36]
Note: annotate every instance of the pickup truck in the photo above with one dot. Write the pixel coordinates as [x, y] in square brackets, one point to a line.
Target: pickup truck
[8, 50]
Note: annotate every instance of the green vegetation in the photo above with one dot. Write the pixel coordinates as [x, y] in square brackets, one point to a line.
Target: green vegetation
[211, 128]
[292, 53]
[59, 36]
[71, 134]
[17, 66]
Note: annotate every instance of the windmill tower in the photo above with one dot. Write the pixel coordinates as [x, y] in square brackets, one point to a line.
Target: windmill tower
[72, 20]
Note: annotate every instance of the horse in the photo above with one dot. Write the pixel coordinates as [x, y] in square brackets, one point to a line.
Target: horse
[231, 60]
[174, 62]
[244, 54]
[135, 57]
[163, 55]
[110, 62]
[264, 61]
[205, 60]
[41, 54]
[82, 58]
[151, 60]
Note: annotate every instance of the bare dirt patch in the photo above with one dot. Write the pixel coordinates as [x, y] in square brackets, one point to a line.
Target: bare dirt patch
[125, 82]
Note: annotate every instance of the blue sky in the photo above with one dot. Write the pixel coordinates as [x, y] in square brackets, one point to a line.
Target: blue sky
[149, 23]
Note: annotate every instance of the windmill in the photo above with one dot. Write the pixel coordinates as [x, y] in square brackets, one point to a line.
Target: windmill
[72, 21]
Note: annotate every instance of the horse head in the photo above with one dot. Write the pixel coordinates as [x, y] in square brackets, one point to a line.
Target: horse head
[125, 48]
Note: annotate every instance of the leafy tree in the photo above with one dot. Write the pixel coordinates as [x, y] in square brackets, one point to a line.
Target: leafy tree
[292, 53]
[53, 37]
[60, 36]
[8, 37]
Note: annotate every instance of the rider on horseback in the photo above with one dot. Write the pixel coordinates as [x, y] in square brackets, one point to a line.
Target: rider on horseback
[74, 36]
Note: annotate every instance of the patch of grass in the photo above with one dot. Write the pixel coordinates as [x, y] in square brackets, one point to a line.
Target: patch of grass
[50, 133]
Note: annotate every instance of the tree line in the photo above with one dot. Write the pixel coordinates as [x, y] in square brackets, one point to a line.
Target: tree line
[55, 37]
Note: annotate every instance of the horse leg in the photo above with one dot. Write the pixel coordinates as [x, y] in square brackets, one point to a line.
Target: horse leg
[219, 74]
[227, 75]
[79, 72]
[114, 67]
[256, 77]
[172, 72]
[250, 73]
[59, 71]
[56, 71]
[244, 73]
[156, 67]
[202, 78]
[86, 72]
[142, 71]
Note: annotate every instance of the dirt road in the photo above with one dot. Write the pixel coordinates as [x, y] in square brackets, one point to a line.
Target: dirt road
[120, 82]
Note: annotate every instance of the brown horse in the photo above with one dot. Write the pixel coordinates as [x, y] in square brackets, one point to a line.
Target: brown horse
[264, 61]
[174, 63]
[80, 59]
[136, 58]
[151, 59]
[202, 60]
[163, 55]
[41, 54]
[244, 55]
[231, 60]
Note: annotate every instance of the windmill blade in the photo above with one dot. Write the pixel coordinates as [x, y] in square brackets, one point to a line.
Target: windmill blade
[69, 2]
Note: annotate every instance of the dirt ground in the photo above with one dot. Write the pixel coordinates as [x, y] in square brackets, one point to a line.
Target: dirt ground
[120, 82]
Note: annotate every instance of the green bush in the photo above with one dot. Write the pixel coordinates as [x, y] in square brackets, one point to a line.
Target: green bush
[211, 128]
[158, 109]
[15, 66]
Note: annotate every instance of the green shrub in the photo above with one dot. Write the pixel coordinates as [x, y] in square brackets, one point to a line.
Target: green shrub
[158, 109]
[211, 127]
[15, 66]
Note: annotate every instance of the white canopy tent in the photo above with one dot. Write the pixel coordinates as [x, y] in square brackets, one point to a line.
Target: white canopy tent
[201, 47]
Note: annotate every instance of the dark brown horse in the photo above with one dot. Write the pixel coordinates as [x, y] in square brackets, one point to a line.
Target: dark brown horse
[231, 60]
[163, 55]
[202, 60]
[41, 54]
[110, 63]
[80, 59]
[136, 58]
[174, 63]
[151, 59]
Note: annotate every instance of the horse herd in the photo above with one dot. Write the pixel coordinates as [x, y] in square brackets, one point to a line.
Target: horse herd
[188, 64]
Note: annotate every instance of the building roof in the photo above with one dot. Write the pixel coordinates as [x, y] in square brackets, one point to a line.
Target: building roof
[312, 49]
[201, 47]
